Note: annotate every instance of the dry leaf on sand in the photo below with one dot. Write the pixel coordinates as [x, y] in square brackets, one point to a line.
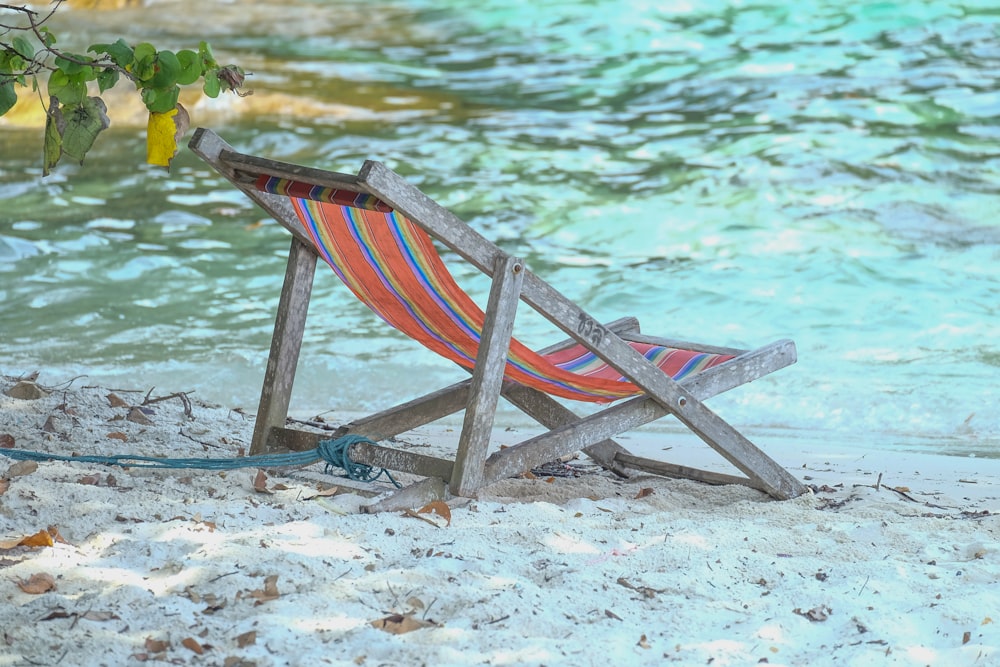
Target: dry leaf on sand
[246, 639]
[269, 592]
[260, 482]
[156, 645]
[437, 507]
[42, 538]
[21, 468]
[37, 584]
[116, 402]
[398, 624]
[192, 644]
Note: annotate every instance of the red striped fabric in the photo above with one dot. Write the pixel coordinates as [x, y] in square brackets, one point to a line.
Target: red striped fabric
[393, 267]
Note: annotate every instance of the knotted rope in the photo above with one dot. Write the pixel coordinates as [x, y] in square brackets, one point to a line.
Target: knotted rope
[336, 453]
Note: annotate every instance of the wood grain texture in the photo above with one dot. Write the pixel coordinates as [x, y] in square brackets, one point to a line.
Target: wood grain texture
[488, 376]
[286, 342]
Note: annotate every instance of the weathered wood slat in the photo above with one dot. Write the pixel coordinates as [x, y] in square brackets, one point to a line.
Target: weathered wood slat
[626, 327]
[412, 414]
[390, 458]
[488, 376]
[377, 456]
[683, 472]
[286, 342]
[551, 414]
[570, 437]
[256, 166]
[680, 344]
[280, 438]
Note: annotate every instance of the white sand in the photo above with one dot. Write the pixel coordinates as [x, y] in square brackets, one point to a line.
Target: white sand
[157, 566]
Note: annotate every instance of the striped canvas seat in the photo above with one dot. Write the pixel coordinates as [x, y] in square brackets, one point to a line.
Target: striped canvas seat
[392, 266]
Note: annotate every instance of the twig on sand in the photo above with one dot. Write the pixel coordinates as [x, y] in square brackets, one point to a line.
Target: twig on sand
[904, 493]
[183, 395]
[62, 385]
[204, 444]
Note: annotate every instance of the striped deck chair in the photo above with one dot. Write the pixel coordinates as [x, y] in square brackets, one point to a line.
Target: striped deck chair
[377, 232]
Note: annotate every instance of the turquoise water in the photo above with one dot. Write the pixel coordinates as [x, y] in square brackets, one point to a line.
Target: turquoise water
[728, 172]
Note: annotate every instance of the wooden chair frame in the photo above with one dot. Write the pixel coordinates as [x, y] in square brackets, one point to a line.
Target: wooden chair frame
[512, 282]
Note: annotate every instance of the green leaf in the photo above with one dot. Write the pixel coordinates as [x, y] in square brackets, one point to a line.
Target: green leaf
[143, 70]
[107, 79]
[10, 62]
[23, 47]
[83, 122]
[68, 66]
[120, 53]
[212, 85]
[145, 60]
[144, 51]
[52, 146]
[160, 100]
[48, 37]
[205, 51]
[190, 67]
[166, 69]
[8, 96]
[69, 90]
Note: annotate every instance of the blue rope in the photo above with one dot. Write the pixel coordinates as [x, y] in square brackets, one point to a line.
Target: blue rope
[336, 453]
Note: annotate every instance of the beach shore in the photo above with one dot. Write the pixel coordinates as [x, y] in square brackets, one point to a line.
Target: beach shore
[893, 559]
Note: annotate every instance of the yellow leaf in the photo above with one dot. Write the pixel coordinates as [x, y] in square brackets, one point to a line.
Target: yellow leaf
[40, 539]
[163, 132]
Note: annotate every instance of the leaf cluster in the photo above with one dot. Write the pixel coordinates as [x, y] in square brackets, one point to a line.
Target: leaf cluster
[74, 117]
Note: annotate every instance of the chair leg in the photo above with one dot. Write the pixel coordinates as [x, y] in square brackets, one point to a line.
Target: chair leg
[289, 326]
[487, 379]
